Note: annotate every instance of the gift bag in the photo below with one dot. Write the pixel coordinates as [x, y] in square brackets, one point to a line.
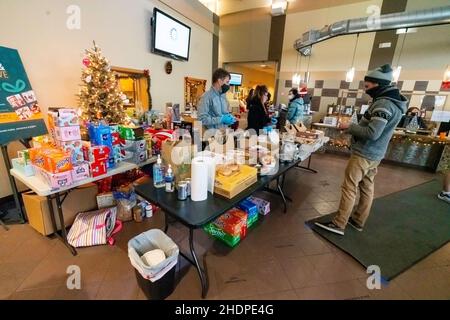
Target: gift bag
[93, 228]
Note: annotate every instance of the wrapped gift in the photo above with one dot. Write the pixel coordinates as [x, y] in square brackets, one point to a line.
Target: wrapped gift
[80, 171]
[263, 205]
[55, 180]
[62, 117]
[98, 168]
[67, 133]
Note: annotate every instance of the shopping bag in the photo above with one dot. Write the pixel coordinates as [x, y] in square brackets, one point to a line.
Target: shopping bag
[92, 228]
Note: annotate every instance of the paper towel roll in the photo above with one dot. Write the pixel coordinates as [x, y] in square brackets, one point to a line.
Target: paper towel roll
[154, 257]
[201, 170]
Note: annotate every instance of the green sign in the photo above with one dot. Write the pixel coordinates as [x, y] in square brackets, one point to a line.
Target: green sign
[20, 114]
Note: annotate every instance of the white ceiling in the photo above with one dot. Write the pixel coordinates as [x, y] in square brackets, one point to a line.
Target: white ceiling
[223, 7]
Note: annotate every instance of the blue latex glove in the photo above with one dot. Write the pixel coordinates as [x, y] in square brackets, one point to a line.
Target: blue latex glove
[274, 121]
[227, 119]
[267, 129]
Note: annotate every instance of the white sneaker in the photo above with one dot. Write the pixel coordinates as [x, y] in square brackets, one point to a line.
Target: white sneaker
[444, 196]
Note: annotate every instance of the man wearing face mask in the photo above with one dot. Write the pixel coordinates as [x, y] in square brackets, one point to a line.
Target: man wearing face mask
[370, 139]
[213, 107]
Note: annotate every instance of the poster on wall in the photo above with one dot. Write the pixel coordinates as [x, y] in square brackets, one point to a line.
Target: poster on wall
[20, 114]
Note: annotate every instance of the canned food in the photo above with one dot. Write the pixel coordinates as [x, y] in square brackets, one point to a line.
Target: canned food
[188, 182]
[182, 190]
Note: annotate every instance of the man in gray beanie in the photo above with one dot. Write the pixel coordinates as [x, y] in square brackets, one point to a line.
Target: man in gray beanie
[370, 139]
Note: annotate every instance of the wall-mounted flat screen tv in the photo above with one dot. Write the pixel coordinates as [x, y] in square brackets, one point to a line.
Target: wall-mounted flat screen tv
[236, 79]
[170, 37]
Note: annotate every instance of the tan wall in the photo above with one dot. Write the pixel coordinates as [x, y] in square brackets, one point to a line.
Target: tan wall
[426, 53]
[52, 54]
[251, 77]
[244, 36]
[334, 55]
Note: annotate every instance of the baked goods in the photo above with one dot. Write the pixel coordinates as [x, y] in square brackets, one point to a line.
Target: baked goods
[228, 169]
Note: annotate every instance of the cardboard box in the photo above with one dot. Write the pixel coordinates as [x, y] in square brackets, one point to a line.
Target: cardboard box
[105, 200]
[80, 199]
[133, 145]
[72, 147]
[100, 135]
[131, 133]
[263, 205]
[96, 153]
[218, 233]
[55, 180]
[62, 117]
[98, 168]
[51, 160]
[232, 185]
[80, 171]
[115, 136]
[134, 157]
[26, 169]
[67, 133]
[249, 207]
[233, 222]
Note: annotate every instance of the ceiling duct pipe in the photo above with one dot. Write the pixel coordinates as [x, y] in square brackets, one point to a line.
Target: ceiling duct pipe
[414, 19]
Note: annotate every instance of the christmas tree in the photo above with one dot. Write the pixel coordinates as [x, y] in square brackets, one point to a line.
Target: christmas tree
[100, 97]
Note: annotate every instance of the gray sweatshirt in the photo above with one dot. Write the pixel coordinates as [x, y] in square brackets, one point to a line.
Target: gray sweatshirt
[371, 136]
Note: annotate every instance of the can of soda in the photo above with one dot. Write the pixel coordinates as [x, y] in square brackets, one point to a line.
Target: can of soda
[182, 190]
[188, 182]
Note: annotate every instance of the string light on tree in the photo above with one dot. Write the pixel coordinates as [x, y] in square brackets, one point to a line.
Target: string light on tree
[99, 96]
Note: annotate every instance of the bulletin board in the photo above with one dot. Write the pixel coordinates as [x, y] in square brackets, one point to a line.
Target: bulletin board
[20, 114]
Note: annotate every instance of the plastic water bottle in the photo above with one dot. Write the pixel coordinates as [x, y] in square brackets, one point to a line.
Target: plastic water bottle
[169, 179]
[158, 174]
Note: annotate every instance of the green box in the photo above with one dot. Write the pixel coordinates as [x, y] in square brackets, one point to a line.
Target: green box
[218, 233]
[252, 221]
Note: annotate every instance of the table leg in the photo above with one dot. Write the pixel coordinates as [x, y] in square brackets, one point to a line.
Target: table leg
[308, 168]
[280, 190]
[166, 222]
[3, 225]
[202, 274]
[63, 235]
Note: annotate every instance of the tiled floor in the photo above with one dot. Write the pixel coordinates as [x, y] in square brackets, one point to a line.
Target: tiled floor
[280, 259]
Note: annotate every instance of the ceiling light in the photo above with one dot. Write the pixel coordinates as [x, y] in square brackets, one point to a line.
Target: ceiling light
[406, 30]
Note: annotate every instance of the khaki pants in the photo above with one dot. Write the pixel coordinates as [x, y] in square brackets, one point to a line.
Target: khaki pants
[359, 175]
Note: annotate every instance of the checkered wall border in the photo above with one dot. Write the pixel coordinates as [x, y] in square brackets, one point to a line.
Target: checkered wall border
[340, 92]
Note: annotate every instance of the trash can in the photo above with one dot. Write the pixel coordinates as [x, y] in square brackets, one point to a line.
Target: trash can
[157, 282]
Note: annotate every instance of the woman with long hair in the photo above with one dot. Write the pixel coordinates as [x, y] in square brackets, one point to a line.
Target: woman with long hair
[258, 117]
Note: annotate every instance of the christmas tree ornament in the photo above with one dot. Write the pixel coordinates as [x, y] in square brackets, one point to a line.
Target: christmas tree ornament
[86, 62]
[88, 78]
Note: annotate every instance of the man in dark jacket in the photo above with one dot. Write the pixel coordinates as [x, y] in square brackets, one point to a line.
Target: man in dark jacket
[370, 140]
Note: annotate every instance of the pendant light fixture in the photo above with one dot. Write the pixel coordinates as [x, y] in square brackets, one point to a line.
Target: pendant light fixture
[350, 75]
[307, 73]
[398, 69]
[296, 78]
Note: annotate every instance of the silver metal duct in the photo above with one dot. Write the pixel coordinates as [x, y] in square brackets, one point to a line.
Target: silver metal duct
[422, 18]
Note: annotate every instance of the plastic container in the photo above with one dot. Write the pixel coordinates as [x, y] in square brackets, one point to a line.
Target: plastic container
[158, 174]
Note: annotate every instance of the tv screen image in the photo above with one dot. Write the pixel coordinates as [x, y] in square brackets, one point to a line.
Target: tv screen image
[236, 79]
[170, 36]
